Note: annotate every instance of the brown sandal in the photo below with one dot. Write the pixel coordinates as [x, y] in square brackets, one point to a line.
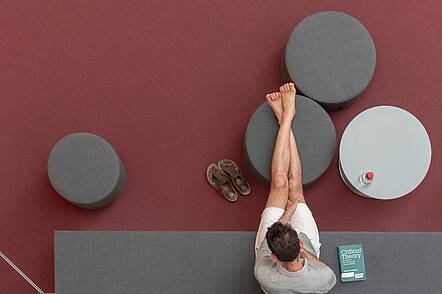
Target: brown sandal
[233, 173]
[217, 180]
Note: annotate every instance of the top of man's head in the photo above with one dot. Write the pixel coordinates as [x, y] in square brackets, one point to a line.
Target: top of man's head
[283, 241]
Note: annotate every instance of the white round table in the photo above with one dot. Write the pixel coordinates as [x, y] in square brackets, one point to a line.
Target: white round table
[392, 144]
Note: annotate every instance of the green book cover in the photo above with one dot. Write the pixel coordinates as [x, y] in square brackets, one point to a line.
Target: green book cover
[351, 262]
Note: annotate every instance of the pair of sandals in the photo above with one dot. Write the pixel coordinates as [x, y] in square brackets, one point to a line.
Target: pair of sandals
[226, 175]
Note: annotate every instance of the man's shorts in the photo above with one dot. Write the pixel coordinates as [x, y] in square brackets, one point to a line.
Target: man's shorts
[302, 221]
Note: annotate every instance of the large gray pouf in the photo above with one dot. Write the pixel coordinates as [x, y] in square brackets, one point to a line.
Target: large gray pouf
[331, 58]
[86, 170]
[315, 137]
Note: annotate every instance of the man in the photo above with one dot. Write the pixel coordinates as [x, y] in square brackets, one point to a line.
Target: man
[287, 243]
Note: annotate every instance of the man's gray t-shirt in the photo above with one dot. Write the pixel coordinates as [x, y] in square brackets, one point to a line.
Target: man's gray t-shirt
[313, 277]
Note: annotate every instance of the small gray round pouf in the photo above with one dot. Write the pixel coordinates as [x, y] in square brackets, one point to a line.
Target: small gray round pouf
[331, 58]
[315, 137]
[86, 170]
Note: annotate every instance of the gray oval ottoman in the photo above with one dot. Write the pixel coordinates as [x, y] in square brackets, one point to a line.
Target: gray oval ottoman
[86, 170]
[331, 58]
[315, 137]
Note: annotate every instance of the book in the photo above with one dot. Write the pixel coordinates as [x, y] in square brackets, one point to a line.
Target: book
[351, 263]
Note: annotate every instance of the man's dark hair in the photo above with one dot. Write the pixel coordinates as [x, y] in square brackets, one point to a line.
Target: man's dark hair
[283, 241]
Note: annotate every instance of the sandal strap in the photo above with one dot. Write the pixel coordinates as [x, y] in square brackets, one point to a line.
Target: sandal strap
[221, 180]
[232, 171]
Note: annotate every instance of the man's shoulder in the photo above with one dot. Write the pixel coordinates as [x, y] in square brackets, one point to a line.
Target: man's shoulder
[271, 281]
[323, 275]
[311, 278]
[264, 273]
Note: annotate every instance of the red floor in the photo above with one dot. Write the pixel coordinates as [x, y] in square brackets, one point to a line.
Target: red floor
[172, 87]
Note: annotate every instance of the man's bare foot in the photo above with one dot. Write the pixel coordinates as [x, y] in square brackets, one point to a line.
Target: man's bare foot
[288, 94]
[275, 102]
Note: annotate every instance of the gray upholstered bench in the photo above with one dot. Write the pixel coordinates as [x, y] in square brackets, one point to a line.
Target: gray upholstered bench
[222, 262]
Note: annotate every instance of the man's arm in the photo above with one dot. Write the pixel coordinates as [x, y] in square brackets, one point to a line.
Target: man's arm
[289, 210]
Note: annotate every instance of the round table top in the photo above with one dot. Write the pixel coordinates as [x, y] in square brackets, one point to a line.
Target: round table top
[331, 57]
[84, 168]
[391, 143]
[315, 137]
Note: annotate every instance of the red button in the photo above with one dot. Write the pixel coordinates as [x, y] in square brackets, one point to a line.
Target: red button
[369, 175]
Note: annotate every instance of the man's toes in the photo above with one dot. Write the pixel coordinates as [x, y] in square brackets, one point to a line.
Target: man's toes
[292, 86]
[282, 89]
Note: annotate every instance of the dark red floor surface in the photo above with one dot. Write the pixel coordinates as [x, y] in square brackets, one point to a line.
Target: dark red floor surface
[172, 87]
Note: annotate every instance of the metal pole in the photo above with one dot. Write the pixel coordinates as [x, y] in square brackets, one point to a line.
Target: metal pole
[24, 276]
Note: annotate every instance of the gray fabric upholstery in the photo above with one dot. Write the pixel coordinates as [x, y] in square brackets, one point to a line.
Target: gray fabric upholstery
[395, 262]
[222, 262]
[331, 58]
[86, 170]
[315, 136]
[155, 262]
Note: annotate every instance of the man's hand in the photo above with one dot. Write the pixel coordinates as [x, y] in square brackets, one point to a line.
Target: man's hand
[305, 254]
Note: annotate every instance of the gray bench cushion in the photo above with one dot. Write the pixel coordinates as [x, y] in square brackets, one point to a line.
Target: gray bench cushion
[222, 262]
[86, 170]
[331, 58]
[315, 137]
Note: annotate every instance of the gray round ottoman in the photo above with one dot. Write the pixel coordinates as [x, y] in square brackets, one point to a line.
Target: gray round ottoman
[330, 57]
[315, 137]
[86, 170]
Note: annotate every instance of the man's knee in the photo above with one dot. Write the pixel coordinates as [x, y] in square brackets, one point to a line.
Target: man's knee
[280, 182]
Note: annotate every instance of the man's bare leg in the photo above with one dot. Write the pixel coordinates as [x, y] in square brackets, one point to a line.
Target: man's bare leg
[295, 173]
[279, 190]
[295, 180]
